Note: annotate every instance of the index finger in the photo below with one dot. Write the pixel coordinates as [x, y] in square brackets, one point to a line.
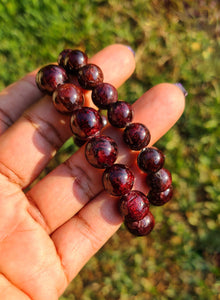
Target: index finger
[41, 130]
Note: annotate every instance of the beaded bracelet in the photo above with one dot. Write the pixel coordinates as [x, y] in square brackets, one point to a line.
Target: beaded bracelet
[66, 83]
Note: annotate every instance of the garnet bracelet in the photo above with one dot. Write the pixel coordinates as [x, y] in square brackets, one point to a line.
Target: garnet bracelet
[66, 82]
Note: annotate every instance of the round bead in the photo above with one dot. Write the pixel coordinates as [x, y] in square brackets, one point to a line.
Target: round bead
[141, 227]
[160, 180]
[49, 77]
[85, 122]
[67, 97]
[160, 198]
[62, 56]
[90, 76]
[150, 160]
[74, 60]
[134, 206]
[118, 180]
[120, 114]
[136, 136]
[101, 152]
[104, 94]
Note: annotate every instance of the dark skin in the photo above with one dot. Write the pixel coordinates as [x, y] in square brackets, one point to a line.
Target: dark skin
[48, 234]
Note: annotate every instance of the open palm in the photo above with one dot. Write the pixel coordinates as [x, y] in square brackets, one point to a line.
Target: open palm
[48, 234]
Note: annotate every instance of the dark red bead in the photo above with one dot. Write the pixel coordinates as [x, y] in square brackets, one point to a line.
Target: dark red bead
[49, 77]
[136, 136]
[160, 180]
[141, 227]
[74, 60]
[160, 198]
[62, 56]
[67, 97]
[120, 114]
[90, 76]
[85, 122]
[150, 160]
[101, 152]
[134, 206]
[104, 94]
[118, 180]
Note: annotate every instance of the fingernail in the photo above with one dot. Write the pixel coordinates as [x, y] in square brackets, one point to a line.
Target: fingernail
[181, 87]
[133, 52]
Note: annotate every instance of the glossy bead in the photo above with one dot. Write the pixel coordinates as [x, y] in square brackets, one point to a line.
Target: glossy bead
[67, 97]
[141, 227]
[136, 136]
[62, 56]
[101, 152]
[134, 206]
[49, 77]
[75, 60]
[120, 114]
[90, 76]
[118, 180]
[150, 160]
[85, 122]
[160, 198]
[104, 94]
[160, 180]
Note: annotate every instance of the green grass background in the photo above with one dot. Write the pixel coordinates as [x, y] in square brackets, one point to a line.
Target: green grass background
[174, 41]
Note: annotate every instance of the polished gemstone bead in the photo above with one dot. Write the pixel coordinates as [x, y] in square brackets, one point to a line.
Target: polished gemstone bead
[150, 160]
[159, 181]
[141, 227]
[134, 206]
[67, 97]
[85, 122]
[120, 114]
[118, 180]
[160, 198]
[49, 77]
[74, 60]
[62, 56]
[104, 94]
[90, 76]
[101, 152]
[136, 136]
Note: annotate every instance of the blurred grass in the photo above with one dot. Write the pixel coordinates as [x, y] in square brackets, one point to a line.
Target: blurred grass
[174, 41]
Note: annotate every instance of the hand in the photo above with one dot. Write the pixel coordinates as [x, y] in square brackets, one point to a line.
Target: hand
[48, 234]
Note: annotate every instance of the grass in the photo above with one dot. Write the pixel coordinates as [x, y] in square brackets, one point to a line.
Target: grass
[174, 41]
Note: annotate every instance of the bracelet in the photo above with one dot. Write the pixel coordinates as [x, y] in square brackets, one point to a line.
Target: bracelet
[66, 83]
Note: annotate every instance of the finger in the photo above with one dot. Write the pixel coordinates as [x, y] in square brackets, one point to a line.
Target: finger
[84, 234]
[64, 191]
[8, 291]
[16, 98]
[28, 145]
[28, 258]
